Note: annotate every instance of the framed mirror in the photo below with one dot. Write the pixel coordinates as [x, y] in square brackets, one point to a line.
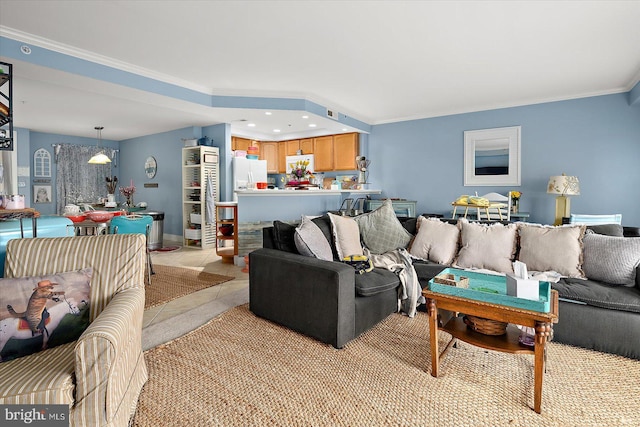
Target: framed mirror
[150, 167]
[492, 157]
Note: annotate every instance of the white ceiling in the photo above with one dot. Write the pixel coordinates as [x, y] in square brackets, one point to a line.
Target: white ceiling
[376, 61]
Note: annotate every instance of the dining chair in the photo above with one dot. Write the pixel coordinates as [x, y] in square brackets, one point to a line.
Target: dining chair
[499, 208]
[135, 224]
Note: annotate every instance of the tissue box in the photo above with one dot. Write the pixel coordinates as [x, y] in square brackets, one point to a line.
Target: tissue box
[523, 288]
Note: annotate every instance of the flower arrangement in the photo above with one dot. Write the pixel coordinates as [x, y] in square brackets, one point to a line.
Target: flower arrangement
[299, 172]
[515, 200]
[128, 193]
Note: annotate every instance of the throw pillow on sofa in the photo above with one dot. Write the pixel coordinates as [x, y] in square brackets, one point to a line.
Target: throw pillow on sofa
[435, 241]
[310, 241]
[346, 235]
[381, 231]
[492, 247]
[549, 248]
[42, 312]
[611, 259]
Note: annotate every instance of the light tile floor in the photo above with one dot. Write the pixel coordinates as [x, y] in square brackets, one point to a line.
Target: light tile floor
[175, 318]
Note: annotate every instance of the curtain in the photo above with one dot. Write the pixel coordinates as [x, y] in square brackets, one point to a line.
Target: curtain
[77, 181]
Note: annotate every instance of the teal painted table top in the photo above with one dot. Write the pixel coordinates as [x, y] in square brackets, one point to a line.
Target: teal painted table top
[493, 289]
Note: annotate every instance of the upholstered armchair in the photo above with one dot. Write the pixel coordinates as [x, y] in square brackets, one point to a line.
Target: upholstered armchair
[100, 375]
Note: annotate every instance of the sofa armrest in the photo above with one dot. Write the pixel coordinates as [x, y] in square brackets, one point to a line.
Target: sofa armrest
[309, 295]
[107, 355]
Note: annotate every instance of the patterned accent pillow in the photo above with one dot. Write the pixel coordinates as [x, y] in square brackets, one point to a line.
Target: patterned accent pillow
[310, 241]
[487, 246]
[381, 231]
[549, 248]
[346, 236]
[435, 241]
[611, 259]
[37, 313]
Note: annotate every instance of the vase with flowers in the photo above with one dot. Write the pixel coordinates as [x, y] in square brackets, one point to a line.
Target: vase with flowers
[128, 192]
[515, 200]
[300, 174]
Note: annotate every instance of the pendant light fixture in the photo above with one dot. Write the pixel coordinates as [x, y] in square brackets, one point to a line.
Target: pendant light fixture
[100, 158]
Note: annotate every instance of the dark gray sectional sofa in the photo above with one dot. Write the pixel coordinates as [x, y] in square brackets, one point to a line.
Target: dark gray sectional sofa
[328, 301]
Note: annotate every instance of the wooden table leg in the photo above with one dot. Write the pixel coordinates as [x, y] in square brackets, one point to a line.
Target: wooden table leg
[543, 330]
[433, 332]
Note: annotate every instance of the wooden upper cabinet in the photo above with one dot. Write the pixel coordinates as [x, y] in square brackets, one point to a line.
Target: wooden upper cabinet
[269, 152]
[323, 153]
[238, 143]
[306, 145]
[345, 150]
[292, 147]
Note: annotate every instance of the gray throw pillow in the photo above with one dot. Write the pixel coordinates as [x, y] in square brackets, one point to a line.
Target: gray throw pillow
[310, 241]
[381, 231]
[611, 259]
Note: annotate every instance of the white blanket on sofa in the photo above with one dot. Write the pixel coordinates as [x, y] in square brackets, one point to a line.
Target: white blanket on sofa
[399, 262]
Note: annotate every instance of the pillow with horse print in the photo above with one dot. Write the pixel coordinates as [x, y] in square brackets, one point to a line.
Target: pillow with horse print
[37, 313]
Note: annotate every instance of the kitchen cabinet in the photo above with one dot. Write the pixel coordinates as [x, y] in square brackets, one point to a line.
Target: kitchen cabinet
[323, 153]
[198, 165]
[238, 143]
[269, 151]
[6, 106]
[345, 150]
[336, 152]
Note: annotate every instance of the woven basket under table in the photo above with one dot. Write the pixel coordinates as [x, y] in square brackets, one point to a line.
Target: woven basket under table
[485, 326]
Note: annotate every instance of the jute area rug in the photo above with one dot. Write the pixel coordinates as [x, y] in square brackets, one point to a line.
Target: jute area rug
[240, 370]
[170, 283]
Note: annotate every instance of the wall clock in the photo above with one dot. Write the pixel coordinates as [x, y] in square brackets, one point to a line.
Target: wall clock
[150, 167]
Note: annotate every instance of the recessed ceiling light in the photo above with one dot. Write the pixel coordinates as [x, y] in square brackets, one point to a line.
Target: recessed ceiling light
[251, 125]
[268, 113]
[305, 117]
[312, 125]
[344, 129]
[276, 130]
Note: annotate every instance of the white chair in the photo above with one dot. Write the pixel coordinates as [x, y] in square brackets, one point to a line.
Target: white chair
[499, 208]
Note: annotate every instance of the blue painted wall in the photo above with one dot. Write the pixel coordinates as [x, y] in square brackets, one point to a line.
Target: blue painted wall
[596, 139]
[166, 147]
[39, 140]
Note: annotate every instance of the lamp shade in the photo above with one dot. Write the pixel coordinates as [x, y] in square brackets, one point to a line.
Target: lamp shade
[99, 159]
[564, 185]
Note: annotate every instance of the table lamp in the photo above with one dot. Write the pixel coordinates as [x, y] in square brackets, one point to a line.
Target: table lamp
[564, 186]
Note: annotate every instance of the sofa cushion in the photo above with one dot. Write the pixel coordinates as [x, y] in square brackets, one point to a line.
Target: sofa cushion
[599, 294]
[381, 231]
[548, 248]
[310, 241]
[46, 378]
[427, 270]
[611, 259]
[346, 236]
[375, 281]
[487, 246]
[435, 241]
[283, 237]
[607, 229]
[43, 312]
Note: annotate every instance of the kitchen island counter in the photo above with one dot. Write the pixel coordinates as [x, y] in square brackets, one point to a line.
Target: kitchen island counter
[278, 192]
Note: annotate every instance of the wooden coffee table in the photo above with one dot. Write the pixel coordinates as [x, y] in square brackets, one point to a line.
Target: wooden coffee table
[507, 343]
